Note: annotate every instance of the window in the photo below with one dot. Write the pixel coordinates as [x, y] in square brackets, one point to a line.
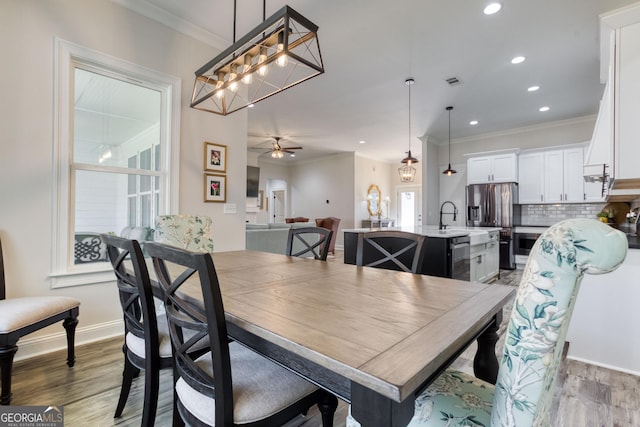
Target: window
[117, 132]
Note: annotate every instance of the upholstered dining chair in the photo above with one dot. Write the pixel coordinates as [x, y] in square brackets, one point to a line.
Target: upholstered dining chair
[392, 250]
[230, 384]
[191, 232]
[22, 316]
[535, 336]
[309, 241]
[147, 344]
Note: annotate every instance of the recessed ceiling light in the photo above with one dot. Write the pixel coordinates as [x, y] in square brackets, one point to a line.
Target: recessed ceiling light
[533, 88]
[292, 155]
[545, 108]
[250, 105]
[492, 8]
[363, 142]
[473, 122]
[517, 60]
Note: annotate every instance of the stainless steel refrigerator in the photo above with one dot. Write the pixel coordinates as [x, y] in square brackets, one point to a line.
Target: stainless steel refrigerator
[496, 205]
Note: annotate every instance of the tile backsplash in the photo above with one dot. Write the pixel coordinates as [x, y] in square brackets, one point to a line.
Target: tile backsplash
[550, 214]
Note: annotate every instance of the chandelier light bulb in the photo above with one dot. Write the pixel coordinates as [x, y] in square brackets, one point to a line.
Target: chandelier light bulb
[263, 69]
[219, 83]
[283, 59]
[247, 79]
[233, 74]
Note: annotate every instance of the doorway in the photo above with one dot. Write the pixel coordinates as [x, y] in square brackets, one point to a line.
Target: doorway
[278, 199]
[409, 206]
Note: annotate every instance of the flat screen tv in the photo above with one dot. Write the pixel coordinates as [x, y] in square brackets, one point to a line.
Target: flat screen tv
[253, 178]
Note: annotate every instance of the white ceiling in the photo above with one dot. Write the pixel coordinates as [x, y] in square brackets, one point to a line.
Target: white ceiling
[370, 47]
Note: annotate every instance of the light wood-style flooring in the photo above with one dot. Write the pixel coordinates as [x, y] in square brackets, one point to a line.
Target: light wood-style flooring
[585, 396]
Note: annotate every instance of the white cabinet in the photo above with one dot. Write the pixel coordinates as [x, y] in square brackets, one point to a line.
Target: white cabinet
[485, 259]
[615, 137]
[553, 176]
[530, 178]
[494, 168]
[593, 190]
[627, 103]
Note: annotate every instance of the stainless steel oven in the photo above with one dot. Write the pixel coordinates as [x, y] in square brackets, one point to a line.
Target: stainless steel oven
[524, 242]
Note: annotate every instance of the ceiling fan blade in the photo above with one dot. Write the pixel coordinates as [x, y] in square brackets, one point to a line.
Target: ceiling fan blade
[292, 148]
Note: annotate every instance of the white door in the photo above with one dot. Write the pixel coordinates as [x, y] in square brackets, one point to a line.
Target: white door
[278, 199]
[409, 206]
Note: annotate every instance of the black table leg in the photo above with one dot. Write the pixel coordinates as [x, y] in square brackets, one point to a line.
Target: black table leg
[372, 409]
[485, 363]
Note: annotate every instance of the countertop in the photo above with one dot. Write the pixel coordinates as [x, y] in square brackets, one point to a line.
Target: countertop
[432, 231]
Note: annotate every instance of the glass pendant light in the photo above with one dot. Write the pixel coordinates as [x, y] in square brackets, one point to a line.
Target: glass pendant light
[449, 171]
[406, 171]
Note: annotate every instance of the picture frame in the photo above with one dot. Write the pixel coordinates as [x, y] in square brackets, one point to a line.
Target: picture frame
[215, 157]
[215, 188]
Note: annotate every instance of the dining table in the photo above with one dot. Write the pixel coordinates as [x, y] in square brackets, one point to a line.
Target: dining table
[372, 337]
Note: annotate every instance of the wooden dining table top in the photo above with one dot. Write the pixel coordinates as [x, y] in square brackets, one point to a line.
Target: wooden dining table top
[387, 331]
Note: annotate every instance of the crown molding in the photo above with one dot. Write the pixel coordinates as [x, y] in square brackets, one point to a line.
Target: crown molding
[151, 11]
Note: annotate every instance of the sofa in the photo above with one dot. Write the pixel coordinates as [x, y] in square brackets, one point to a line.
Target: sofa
[270, 237]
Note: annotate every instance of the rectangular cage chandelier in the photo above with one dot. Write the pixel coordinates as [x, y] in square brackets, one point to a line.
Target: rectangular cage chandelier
[279, 53]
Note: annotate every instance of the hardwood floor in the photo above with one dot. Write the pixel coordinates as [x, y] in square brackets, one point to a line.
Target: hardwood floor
[586, 395]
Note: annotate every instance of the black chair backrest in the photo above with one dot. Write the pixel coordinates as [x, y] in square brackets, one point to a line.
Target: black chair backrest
[2, 283]
[391, 250]
[190, 321]
[134, 287]
[308, 241]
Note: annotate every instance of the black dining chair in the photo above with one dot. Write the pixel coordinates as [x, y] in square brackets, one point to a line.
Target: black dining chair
[147, 344]
[230, 384]
[391, 250]
[24, 315]
[309, 241]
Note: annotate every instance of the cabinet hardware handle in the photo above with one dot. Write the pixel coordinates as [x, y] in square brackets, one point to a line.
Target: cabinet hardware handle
[561, 196]
[565, 197]
[541, 198]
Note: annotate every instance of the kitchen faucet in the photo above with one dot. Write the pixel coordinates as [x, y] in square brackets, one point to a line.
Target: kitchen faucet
[441, 226]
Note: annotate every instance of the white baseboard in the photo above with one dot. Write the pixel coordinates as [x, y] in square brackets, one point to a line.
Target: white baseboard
[36, 346]
[604, 365]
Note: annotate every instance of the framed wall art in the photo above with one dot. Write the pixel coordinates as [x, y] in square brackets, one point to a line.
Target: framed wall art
[215, 157]
[215, 188]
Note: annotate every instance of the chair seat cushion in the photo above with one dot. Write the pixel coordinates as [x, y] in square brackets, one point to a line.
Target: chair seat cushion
[454, 399]
[135, 344]
[260, 388]
[16, 313]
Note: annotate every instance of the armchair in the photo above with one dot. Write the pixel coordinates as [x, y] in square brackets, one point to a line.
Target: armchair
[330, 223]
[189, 232]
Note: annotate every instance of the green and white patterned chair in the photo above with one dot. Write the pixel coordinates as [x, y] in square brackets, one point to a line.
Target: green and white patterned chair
[189, 232]
[536, 335]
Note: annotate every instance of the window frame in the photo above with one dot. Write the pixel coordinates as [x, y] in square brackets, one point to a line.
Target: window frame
[68, 55]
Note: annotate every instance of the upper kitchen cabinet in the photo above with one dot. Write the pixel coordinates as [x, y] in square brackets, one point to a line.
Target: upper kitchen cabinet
[492, 169]
[616, 137]
[552, 176]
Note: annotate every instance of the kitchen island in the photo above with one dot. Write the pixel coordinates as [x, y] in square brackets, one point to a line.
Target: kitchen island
[465, 253]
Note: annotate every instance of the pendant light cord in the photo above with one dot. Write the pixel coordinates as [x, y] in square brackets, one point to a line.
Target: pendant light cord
[410, 84]
[449, 138]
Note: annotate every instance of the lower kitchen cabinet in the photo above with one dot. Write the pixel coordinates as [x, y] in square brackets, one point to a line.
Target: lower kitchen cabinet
[485, 260]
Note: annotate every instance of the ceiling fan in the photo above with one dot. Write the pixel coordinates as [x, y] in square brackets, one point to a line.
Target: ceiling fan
[277, 152]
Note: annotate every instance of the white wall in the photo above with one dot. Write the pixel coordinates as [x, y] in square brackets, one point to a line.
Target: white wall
[27, 29]
[324, 187]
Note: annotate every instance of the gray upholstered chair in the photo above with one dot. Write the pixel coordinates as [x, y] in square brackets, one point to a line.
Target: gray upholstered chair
[230, 384]
[391, 250]
[191, 232]
[536, 334]
[309, 242]
[22, 316]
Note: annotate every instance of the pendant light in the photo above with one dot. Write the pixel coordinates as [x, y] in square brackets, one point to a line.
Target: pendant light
[449, 171]
[406, 171]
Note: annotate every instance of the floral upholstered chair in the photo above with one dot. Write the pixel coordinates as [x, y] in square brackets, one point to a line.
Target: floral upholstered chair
[535, 335]
[189, 232]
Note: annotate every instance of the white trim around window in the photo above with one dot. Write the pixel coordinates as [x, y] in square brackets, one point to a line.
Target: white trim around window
[67, 56]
